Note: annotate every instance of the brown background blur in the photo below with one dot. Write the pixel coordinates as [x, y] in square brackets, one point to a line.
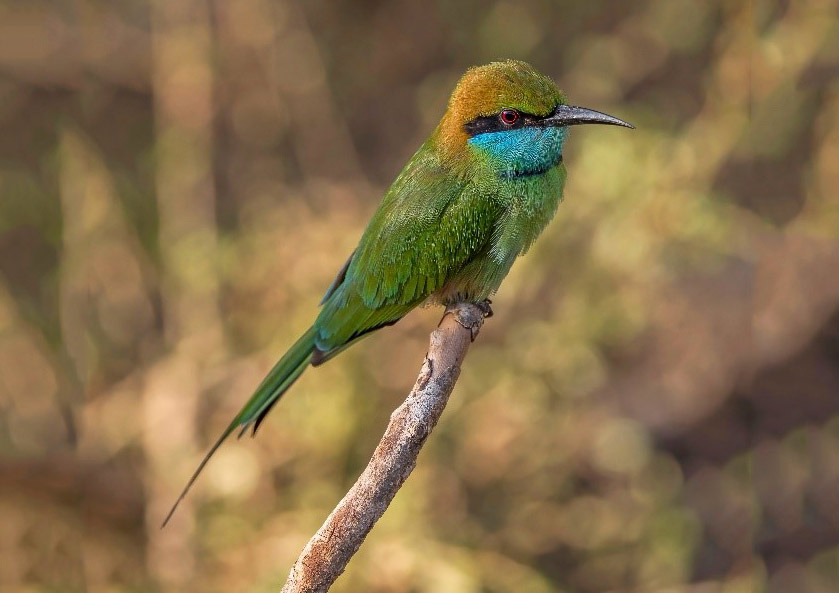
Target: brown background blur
[653, 408]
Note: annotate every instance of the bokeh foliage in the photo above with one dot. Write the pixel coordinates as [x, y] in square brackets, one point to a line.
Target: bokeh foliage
[654, 406]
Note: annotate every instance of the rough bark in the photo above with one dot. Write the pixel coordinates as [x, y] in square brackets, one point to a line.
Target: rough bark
[326, 555]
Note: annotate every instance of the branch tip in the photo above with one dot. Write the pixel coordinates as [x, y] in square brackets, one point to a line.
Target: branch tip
[326, 555]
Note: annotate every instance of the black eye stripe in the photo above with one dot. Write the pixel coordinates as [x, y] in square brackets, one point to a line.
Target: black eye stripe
[493, 123]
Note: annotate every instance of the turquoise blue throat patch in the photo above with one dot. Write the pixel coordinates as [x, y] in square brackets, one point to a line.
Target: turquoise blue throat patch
[524, 151]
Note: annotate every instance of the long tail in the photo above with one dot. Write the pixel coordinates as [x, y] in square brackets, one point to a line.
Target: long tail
[277, 382]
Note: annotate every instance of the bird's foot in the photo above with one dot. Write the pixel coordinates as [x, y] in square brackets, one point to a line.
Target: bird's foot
[467, 316]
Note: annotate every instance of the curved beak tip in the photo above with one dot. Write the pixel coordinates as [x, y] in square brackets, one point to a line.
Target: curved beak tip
[570, 115]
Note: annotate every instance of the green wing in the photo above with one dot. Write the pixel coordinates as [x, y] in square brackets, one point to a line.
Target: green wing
[430, 224]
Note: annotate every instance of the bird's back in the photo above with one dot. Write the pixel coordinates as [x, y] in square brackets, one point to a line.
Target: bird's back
[431, 223]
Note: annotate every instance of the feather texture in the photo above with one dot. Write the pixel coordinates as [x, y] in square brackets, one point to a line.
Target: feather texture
[448, 229]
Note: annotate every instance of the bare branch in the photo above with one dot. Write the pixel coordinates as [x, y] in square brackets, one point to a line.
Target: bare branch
[326, 555]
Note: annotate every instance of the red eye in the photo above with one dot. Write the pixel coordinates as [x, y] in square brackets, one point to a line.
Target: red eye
[509, 116]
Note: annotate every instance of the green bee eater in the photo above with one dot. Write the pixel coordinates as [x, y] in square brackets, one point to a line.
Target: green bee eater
[474, 197]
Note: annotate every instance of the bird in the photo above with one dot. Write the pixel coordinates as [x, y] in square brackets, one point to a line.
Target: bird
[473, 198]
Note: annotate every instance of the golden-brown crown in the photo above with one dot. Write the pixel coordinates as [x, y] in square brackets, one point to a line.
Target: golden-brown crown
[486, 90]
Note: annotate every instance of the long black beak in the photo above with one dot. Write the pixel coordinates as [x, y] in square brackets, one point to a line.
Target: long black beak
[568, 115]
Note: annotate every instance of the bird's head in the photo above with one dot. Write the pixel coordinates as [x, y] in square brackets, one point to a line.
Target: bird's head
[512, 117]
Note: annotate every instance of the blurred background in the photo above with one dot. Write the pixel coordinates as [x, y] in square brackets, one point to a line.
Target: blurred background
[653, 408]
